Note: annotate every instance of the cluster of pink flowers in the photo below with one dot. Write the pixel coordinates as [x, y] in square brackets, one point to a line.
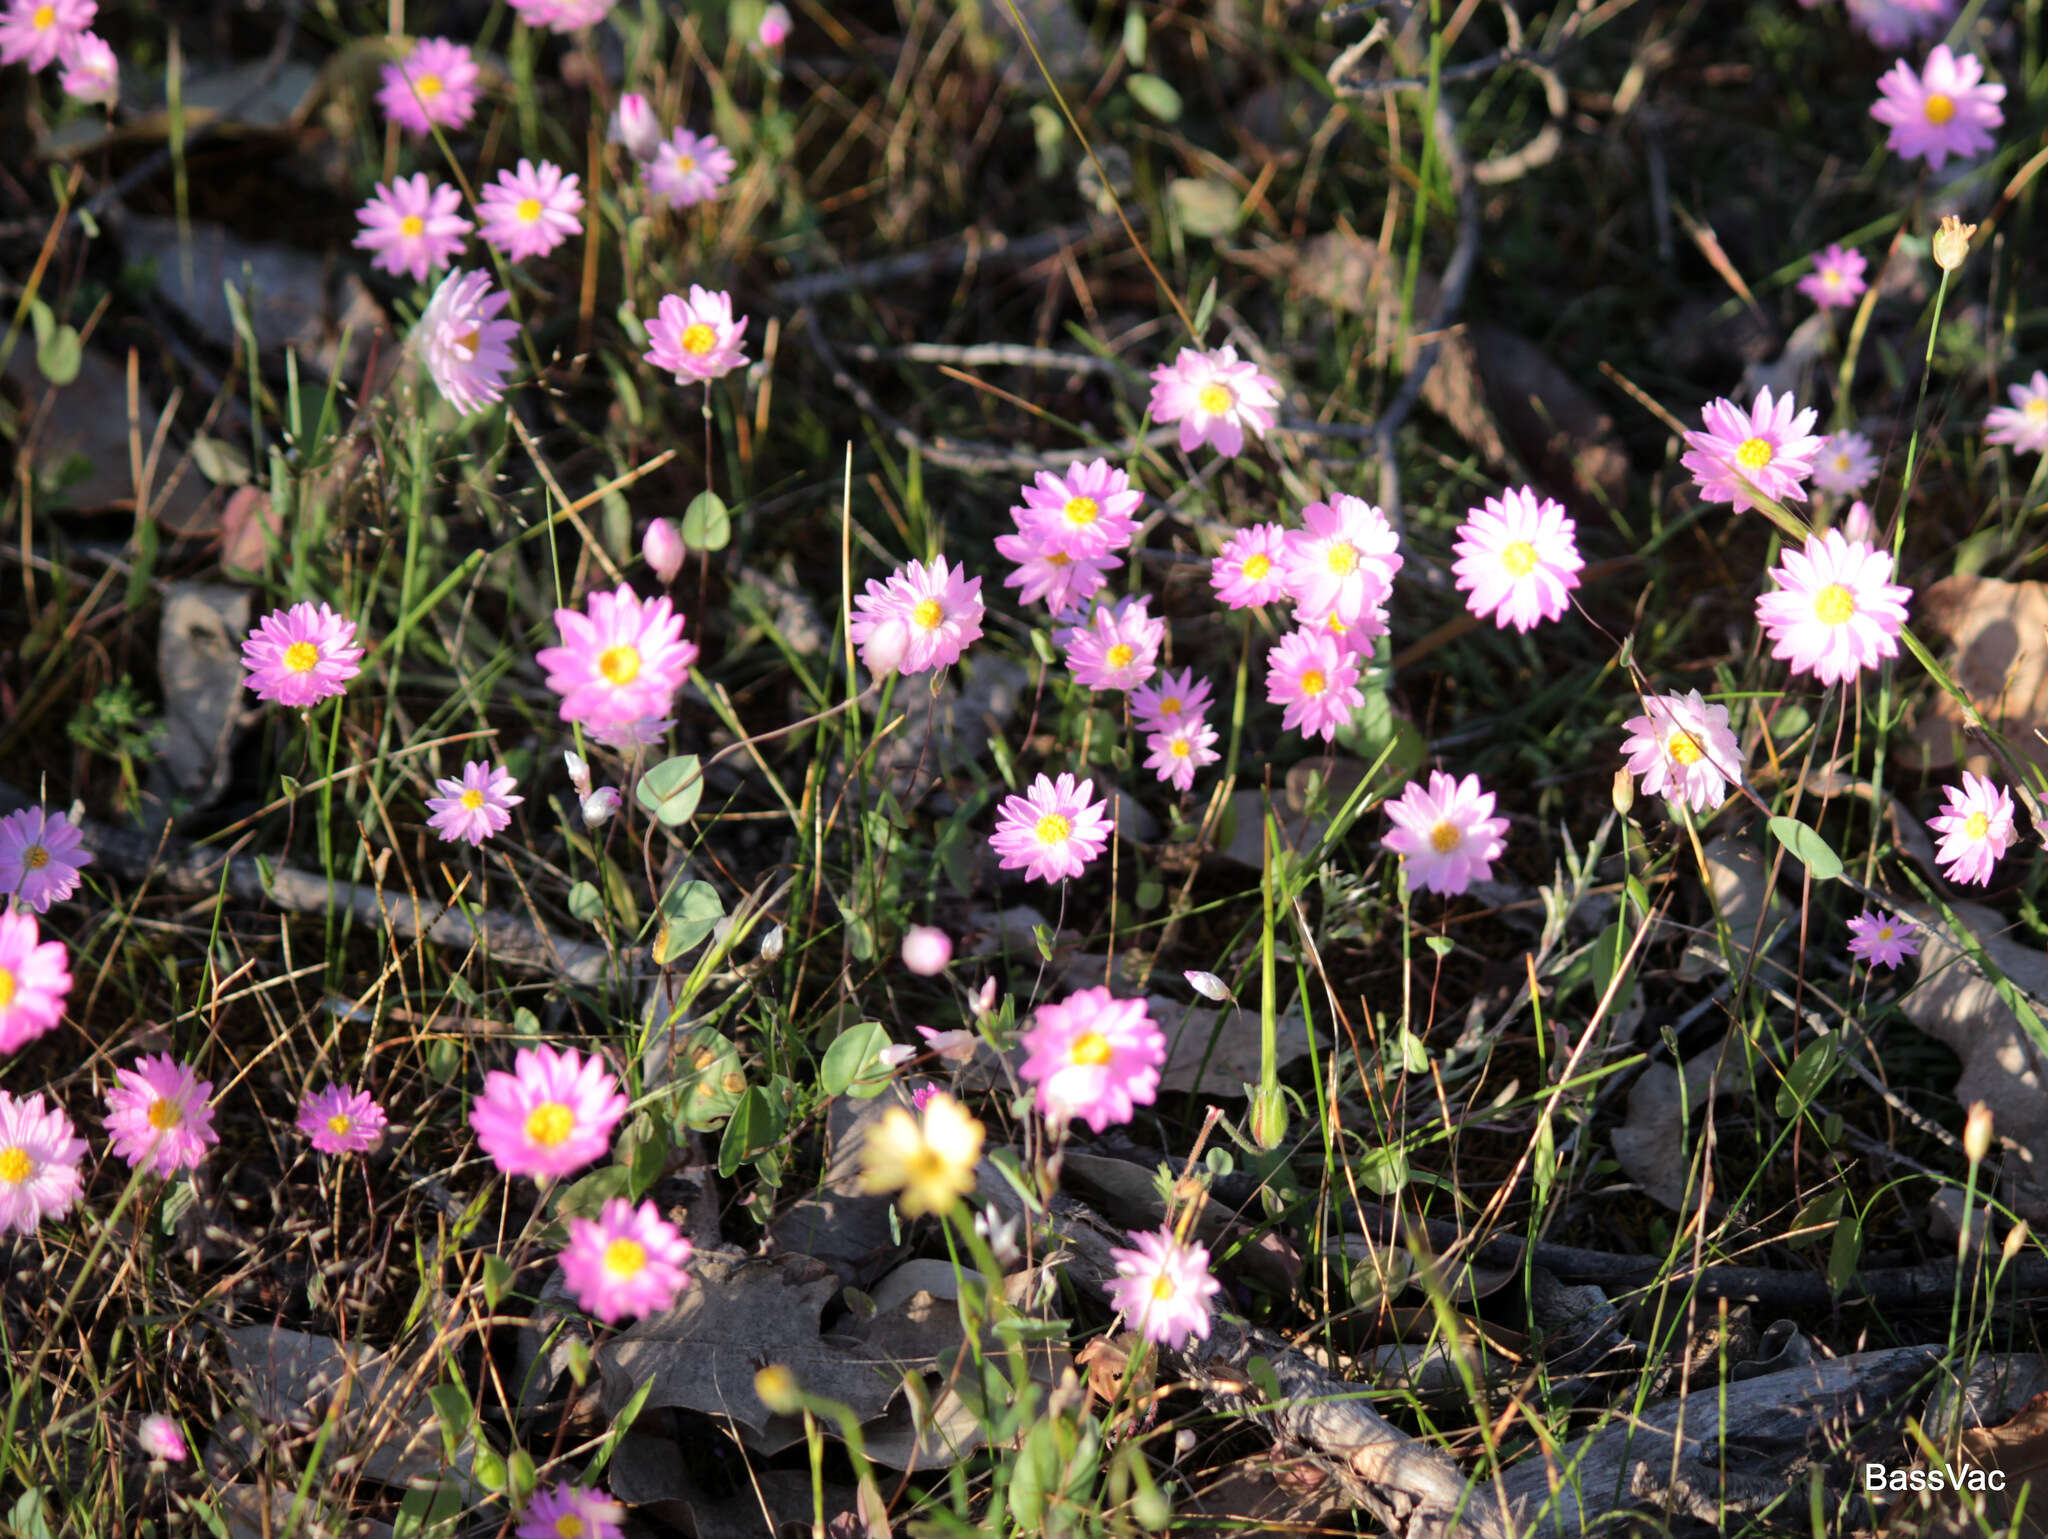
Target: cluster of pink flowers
[40, 33]
[1179, 740]
[1069, 531]
[922, 618]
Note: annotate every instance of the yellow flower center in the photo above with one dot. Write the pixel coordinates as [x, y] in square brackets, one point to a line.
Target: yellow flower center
[412, 227]
[569, 1526]
[1445, 838]
[1120, 655]
[2038, 407]
[1313, 682]
[1215, 399]
[472, 799]
[302, 657]
[1833, 604]
[1162, 1288]
[620, 664]
[164, 1115]
[549, 1124]
[466, 343]
[1939, 108]
[339, 1124]
[1518, 559]
[1832, 277]
[15, 1166]
[1842, 462]
[35, 857]
[1257, 565]
[528, 210]
[1090, 1048]
[625, 1258]
[1081, 511]
[686, 164]
[1170, 706]
[1884, 932]
[1343, 558]
[928, 614]
[1053, 829]
[1978, 826]
[1754, 454]
[698, 339]
[1180, 748]
[6, 988]
[429, 87]
[44, 18]
[1684, 748]
[1059, 558]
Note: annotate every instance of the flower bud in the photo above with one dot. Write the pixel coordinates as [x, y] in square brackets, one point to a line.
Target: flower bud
[579, 772]
[160, 1438]
[777, 1387]
[1624, 792]
[1208, 985]
[926, 950]
[1268, 1117]
[662, 545]
[1977, 1133]
[599, 805]
[1952, 242]
[985, 998]
[635, 126]
[1859, 525]
[885, 646]
[775, 25]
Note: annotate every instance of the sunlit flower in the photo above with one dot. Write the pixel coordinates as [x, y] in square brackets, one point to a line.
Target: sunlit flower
[621, 662]
[1859, 524]
[1683, 748]
[1094, 1058]
[571, 1512]
[635, 127]
[341, 1120]
[563, 16]
[467, 351]
[1174, 753]
[1893, 24]
[631, 735]
[158, 1436]
[34, 32]
[688, 169]
[301, 655]
[1053, 830]
[34, 980]
[627, 1261]
[41, 854]
[1836, 279]
[159, 1117]
[412, 227]
[1249, 570]
[1836, 609]
[1883, 940]
[1214, 397]
[1316, 680]
[1118, 647]
[39, 1155]
[1342, 561]
[927, 950]
[553, 1114]
[1976, 828]
[91, 72]
[474, 807]
[1163, 1288]
[435, 85]
[2024, 424]
[1176, 698]
[927, 1157]
[530, 210]
[1086, 512]
[922, 618]
[1045, 572]
[1947, 109]
[1844, 464]
[1447, 833]
[1518, 559]
[697, 338]
[1771, 448]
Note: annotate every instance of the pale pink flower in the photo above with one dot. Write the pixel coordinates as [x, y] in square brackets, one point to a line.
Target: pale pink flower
[619, 664]
[412, 226]
[627, 1261]
[1094, 1058]
[41, 854]
[1947, 109]
[1836, 279]
[1118, 647]
[529, 211]
[1163, 1288]
[1683, 748]
[640, 732]
[924, 617]
[301, 655]
[1044, 572]
[635, 127]
[774, 29]
[1518, 558]
[1176, 698]
[474, 807]
[571, 1512]
[158, 1436]
[688, 169]
[33, 32]
[468, 352]
[340, 1120]
[435, 85]
[1892, 24]
[34, 979]
[553, 1114]
[39, 1155]
[927, 950]
[1086, 512]
[1342, 562]
[1771, 448]
[1174, 753]
[1053, 830]
[955, 1047]
[1844, 464]
[1214, 397]
[159, 1117]
[696, 338]
[1250, 570]
[2024, 424]
[1354, 641]
[1447, 832]
[1836, 609]
[1976, 828]
[662, 548]
[1883, 940]
[91, 72]
[1316, 680]
[563, 16]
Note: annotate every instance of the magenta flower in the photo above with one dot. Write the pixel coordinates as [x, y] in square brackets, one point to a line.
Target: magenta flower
[158, 1116]
[775, 26]
[1836, 279]
[696, 338]
[1118, 647]
[1976, 828]
[688, 169]
[1176, 698]
[301, 655]
[1947, 109]
[476, 806]
[33, 32]
[412, 226]
[1250, 569]
[1518, 558]
[529, 211]
[1447, 832]
[1770, 448]
[571, 1512]
[619, 664]
[1836, 609]
[158, 1436]
[468, 353]
[39, 1155]
[1892, 24]
[1046, 573]
[433, 86]
[2024, 424]
[923, 618]
[626, 1261]
[1174, 753]
[1163, 1288]
[635, 127]
[1882, 940]
[1094, 1058]
[553, 1114]
[927, 950]
[1086, 512]
[1845, 464]
[342, 1121]
[1214, 397]
[1683, 748]
[1342, 563]
[91, 72]
[563, 16]
[41, 854]
[33, 981]
[1316, 680]
[1053, 830]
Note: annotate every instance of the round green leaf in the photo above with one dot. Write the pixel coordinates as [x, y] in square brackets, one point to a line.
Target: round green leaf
[672, 789]
[853, 1063]
[1155, 96]
[1822, 863]
[707, 524]
[755, 1128]
[688, 914]
[708, 1079]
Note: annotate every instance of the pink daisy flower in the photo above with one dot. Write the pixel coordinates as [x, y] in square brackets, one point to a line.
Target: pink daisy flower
[33, 981]
[1892, 24]
[635, 127]
[158, 1436]
[927, 950]
[1976, 828]
[529, 211]
[1086, 512]
[1214, 397]
[621, 663]
[1836, 279]
[1518, 558]
[641, 732]
[553, 1114]
[1836, 609]
[1447, 833]
[476, 806]
[626, 1261]
[1342, 562]
[1094, 1058]
[41, 854]
[1176, 752]
[33, 32]
[342, 1121]
[433, 86]
[1045, 573]
[1947, 109]
[696, 338]
[412, 226]
[468, 353]
[1844, 464]
[2024, 424]
[688, 169]
[1316, 680]
[1882, 940]
[1354, 641]
[39, 1155]
[1250, 570]
[301, 655]
[1176, 698]
[91, 72]
[1771, 447]
[571, 1512]
[923, 618]
[1053, 830]
[1162, 1288]
[1683, 748]
[158, 1116]
[1118, 648]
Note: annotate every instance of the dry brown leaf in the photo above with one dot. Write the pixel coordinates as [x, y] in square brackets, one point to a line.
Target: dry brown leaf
[2020, 1449]
[1651, 1144]
[1998, 653]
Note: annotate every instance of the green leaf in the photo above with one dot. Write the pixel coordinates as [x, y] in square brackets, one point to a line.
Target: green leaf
[29, 1518]
[1205, 205]
[497, 1278]
[853, 1064]
[587, 1197]
[755, 1128]
[177, 1202]
[586, 902]
[1846, 1251]
[672, 789]
[60, 355]
[1155, 96]
[688, 914]
[1134, 38]
[1812, 1069]
[1442, 945]
[647, 1155]
[1384, 1170]
[1812, 851]
[707, 1078]
[453, 1410]
[707, 524]
[1203, 311]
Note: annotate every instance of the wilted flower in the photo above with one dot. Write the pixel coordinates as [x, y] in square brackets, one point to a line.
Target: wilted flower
[91, 72]
[1952, 242]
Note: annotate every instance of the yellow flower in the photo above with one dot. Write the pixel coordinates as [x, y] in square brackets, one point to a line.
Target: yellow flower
[929, 1159]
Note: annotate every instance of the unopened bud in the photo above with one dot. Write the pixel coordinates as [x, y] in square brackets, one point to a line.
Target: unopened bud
[635, 126]
[926, 950]
[1208, 985]
[776, 1386]
[1977, 1133]
[2013, 1241]
[1624, 791]
[1268, 1117]
[1859, 525]
[775, 25]
[662, 545]
[1952, 242]
[599, 805]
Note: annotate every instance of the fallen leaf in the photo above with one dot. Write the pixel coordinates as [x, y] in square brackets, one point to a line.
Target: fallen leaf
[1738, 875]
[837, 1223]
[1998, 653]
[199, 661]
[2020, 1448]
[1215, 1053]
[79, 448]
[1651, 1143]
[653, 1472]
